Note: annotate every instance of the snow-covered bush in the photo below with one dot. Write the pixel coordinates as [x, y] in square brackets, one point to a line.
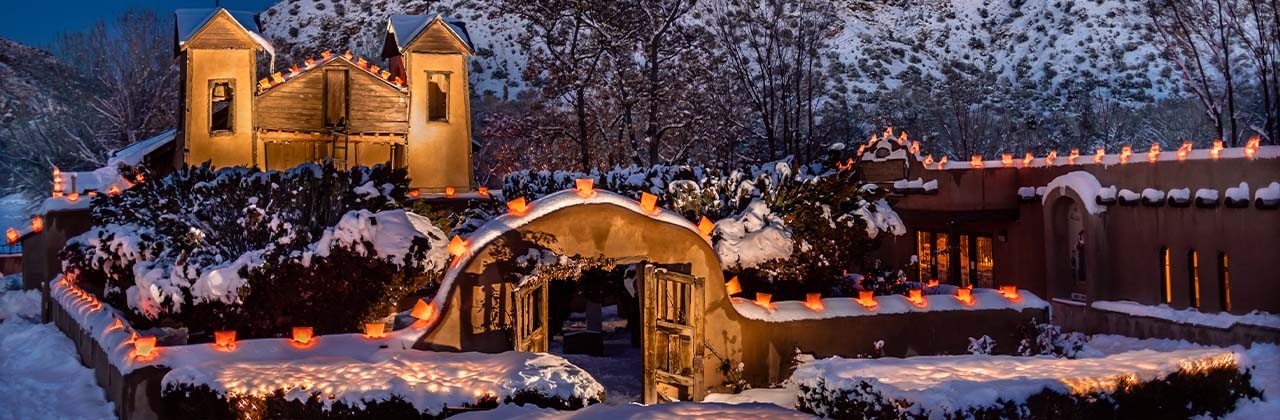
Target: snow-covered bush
[238, 248]
[982, 345]
[1048, 339]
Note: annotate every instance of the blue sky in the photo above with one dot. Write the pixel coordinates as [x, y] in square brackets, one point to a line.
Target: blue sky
[36, 22]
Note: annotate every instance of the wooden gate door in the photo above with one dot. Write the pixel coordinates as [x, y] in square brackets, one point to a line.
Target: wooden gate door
[529, 329]
[673, 327]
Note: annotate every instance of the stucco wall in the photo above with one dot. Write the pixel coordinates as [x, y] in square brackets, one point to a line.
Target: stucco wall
[439, 153]
[200, 67]
[1090, 320]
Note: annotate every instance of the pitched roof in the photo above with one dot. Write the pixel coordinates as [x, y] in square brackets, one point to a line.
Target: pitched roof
[407, 27]
[304, 68]
[189, 22]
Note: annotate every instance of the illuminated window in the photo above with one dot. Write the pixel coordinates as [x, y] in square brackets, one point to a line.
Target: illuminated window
[437, 96]
[1193, 276]
[1166, 286]
[221, 106]
[985, 261]
[924, 251]
[942, 257]
[1224, 282]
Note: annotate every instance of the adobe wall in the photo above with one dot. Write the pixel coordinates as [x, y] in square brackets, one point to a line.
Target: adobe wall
[136, 395]
[40, 251]
[768, 347]
[1089, 320]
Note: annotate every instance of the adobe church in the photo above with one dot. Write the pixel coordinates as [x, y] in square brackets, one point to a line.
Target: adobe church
[414, 113]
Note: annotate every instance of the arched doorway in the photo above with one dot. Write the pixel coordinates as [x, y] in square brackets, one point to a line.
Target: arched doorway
[487, 306]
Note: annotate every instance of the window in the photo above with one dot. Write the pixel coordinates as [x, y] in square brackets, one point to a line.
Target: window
[437, 96]
[942, 257]
[222, 98]
[1224, 282]
[985, 261]
[1166, 286]
[1193, 276]
[924, 251]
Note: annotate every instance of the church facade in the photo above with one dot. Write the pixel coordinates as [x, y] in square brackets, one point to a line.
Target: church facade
[412, 112]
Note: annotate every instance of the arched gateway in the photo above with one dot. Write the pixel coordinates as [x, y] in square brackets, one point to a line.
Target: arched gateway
[690, 328]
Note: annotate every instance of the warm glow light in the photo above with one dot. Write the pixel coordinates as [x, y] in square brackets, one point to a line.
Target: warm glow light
[73, 196]
[1006, 159]
[415, 193]
[1153, 154]
[57, 183]
[422, 310]
[277, 78]
[1026, 160]
[518, 206]
[1071, 158]
[932, 283]
[705, 226]
[348, 55]
[928, 162]
[867, 299]
[915, 147]
[916, 297]
[140, 177]
[964, 295]
[483, 190]
[649, 203]
[1098, 154]
[302, 335]
[585, 186]
[457, 246]
[1051, 158]
[1251, 148]
[116, 325]
[450, 192]
[813, 301]
[888, 133]
[1216, 150]
[225, 340]
[1125, 152]
[975, 161]
[324, 55]
[1184, 151]
[861, 148]
[11, 235]
[763, 299]
[902, 138]
[376, 329]
[733, 287]
[1010, 292]
[144, 347]
[942, 163]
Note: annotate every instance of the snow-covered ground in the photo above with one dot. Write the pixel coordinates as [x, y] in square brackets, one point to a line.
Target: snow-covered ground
[620, 369]
[23, 304]
[40, 374]
[681, 410]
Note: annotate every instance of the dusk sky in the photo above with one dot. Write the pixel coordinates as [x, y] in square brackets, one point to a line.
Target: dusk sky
[36, 22]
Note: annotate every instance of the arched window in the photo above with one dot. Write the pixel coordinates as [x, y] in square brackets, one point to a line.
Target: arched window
[1166, 288]
[1193, 277]
[1224, 282]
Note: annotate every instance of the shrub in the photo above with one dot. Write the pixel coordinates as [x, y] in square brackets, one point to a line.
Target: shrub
[254, 251]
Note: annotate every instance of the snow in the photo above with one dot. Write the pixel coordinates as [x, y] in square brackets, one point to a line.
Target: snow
[1027, 192]
[1152, 195]
[1180, 194]
[1269, 194]
[752, 237]
[429, 381]
[41, 376]
[13, 214]
[936, 385]
[1084, 184]
[784, 397]
[1190, 315]
[191, 20]
[1108, 193]
[1129, 196]
[1264, 359]
[786, 311]
[98, 320]
[1240, 193]
[880, 218]
[391, 232]
[19, 304]
[1207, 194]
[675, 410]
[135, 153]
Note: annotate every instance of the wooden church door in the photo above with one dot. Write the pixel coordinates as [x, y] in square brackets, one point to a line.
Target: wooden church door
[672, 340]
[530, 330]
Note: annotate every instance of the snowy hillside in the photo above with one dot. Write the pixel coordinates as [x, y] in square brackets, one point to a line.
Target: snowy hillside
[34, 83]
[303, 28]
[1046, 46]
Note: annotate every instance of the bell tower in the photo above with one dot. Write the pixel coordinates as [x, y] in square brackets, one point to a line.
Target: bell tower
[217, 54]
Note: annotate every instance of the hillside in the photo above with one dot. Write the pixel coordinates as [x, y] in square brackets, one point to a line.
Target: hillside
[33, 83]
[1044, 46]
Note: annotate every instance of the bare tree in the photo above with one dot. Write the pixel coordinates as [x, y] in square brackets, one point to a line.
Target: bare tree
[1196, 37]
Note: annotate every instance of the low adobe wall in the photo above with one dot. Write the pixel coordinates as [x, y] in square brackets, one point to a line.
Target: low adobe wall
[1090, 320]
[768, 347]
[136, 396]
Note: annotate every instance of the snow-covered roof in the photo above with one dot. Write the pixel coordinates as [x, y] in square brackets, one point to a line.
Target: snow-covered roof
[103, 178]
[133, 154]
[189, 22]
[405, 28]
[843, 307]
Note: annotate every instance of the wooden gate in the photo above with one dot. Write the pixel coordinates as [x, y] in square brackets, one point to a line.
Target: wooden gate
[530, 317]
[673, 328]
